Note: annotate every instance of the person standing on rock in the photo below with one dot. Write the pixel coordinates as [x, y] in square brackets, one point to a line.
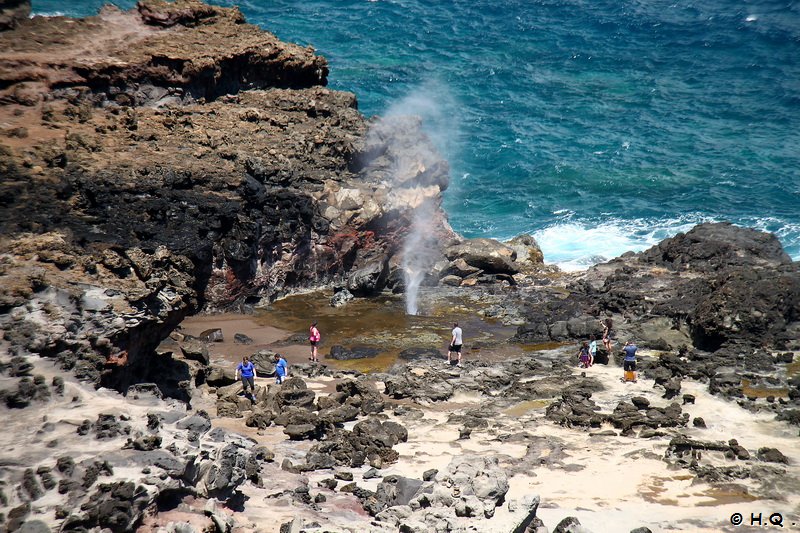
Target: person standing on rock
[281, 369]
[455, 345]
[629, 362]
[314, 338]
[247, 370]
[608, 333]
[592, 349]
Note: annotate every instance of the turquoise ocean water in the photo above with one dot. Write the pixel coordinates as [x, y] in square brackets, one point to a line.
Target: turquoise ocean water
[598, 126]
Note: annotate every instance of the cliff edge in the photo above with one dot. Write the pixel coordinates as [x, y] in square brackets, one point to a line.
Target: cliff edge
[172, 158]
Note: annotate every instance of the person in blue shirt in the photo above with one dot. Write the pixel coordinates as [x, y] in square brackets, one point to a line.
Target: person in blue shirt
[629, 362]
[247, 370]
[592, 349]
[281, 369]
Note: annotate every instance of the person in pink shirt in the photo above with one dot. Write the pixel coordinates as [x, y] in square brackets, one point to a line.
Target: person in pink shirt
[314, 338]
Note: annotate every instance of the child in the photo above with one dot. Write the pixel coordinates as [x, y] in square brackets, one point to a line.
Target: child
[592, 349]
[281, 369]
[583, 356]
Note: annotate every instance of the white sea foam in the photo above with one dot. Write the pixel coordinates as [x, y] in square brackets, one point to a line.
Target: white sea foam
[578, 245]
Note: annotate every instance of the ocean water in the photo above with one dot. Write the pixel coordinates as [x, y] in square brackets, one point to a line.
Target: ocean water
[597, 126]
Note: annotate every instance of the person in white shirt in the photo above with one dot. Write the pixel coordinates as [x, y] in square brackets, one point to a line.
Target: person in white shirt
[455, 345]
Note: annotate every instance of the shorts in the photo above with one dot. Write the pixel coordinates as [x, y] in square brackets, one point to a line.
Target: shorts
[454, 348]
[629, 366]
[247, 381]
[314, 343]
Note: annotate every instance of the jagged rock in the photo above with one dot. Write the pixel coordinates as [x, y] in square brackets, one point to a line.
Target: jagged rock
[264, 361]
[294, 393]
[341, 296]
[302, 431]
[772, 455]
[370, 279]
[296, 416]
[393, 490]
[529, 254]
[528, 507]
[212, 335]
[197, 423]
[17, 515]
[370, 438]
[339, 415]
[429, 387]
[196, 350]
[430, 475]
[372, 473]
[328, 483]
[362, 395]
[107, 427]
[221, 376]
[30, 485]
[460, 269]
[145, 443]
[19, 367]
[118, 506]
[575, 408]
[672, 388]
[260, 419]
[570, 525]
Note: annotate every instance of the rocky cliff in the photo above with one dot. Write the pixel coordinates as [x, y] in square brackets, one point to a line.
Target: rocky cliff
[173, 158]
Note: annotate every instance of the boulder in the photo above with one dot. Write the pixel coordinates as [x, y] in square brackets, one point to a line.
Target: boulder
[196, 350]
[294, 393]
[260, 418]
[264, 361]
[302, 431]
[460, 269]
[341, 296]
[529, 254]
[488, 255]
[220, 376]
[241, 338]
[212, 335]
[772, 455]
[340, 353]
[370, 279]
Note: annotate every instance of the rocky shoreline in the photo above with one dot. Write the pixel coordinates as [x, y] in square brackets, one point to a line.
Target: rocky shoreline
[174, 159]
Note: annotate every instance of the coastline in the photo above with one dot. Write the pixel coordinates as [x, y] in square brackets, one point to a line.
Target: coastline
[194, 169]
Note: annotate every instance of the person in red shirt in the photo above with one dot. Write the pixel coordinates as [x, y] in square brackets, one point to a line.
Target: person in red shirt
[314, 338]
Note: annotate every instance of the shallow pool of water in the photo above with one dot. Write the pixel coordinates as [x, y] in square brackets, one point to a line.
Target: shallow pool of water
[382, 323]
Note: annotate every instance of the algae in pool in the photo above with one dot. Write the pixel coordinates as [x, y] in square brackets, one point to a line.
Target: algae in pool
[758, 392]
[543, 346]
[382, 323]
